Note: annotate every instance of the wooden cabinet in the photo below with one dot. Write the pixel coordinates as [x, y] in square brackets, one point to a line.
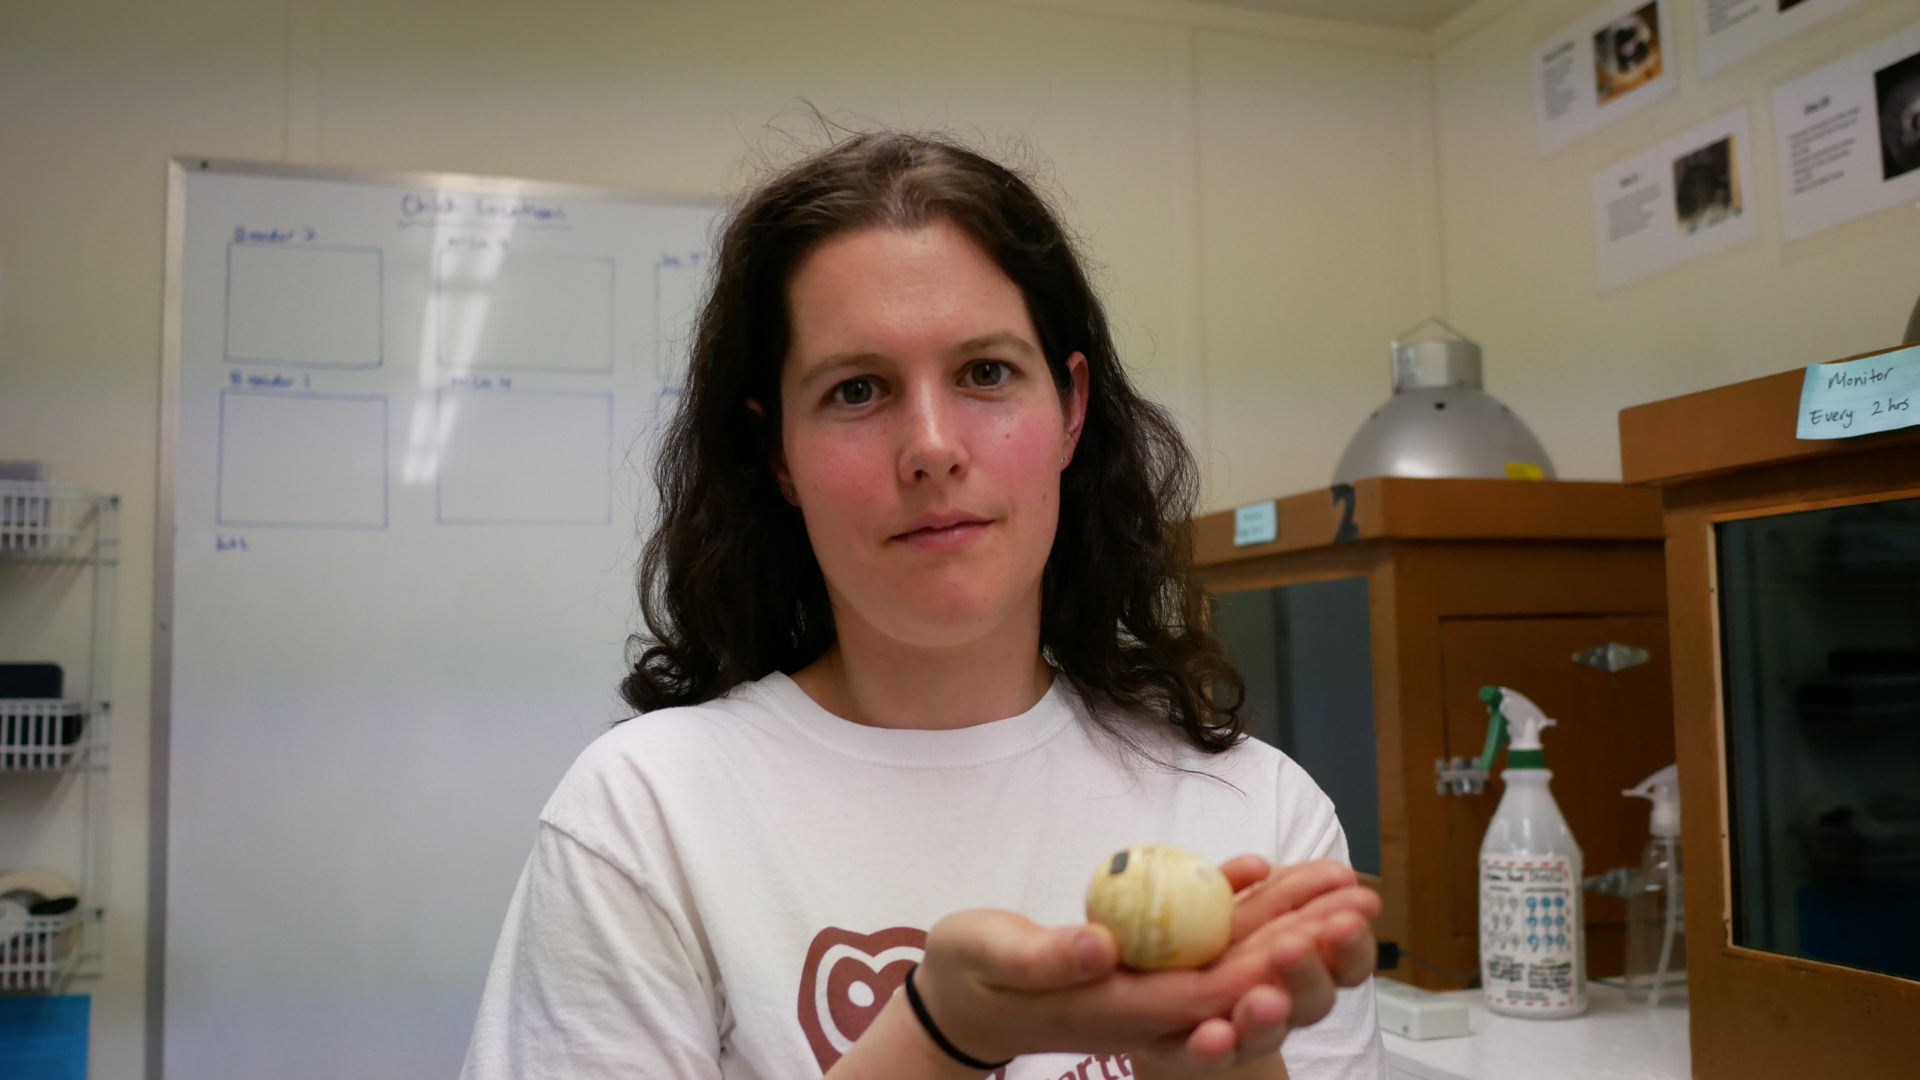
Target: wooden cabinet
[1617, 719]
[1388, 604]
[1793, 572]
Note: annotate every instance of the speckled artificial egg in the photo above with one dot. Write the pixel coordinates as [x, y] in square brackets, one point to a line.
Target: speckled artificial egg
[1167, 907]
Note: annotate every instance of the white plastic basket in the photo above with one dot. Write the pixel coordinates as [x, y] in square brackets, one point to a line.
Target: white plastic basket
[44, 734]
[41, 957]
[53, 521]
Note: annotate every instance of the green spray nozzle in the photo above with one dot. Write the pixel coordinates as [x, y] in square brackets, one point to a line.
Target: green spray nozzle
[1522, 728]
[1496, 727]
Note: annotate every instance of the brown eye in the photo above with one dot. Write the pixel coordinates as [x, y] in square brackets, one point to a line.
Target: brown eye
[987, 373]
[854, 391]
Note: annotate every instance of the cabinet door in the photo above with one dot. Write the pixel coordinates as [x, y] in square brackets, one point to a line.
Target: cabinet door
[1614, 730]
[1306, 653]
[1820, 625]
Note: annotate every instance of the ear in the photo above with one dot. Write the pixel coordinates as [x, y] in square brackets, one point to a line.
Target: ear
[1076, 403]
[776, 457]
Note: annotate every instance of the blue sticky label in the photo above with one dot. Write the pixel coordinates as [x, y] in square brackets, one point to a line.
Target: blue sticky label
[1256, 524]
[1861, 397]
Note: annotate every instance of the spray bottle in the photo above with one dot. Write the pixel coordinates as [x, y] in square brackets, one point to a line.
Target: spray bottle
[1656, 933]
[1533, 941]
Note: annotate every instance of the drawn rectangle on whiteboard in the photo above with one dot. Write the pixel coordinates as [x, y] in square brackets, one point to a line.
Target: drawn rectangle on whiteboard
[525, 458]
[304, 306]
[524, 311]
[677, 281]
[300, 460]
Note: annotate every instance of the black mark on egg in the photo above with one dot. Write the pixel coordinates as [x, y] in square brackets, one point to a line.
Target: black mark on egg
[1119, 862]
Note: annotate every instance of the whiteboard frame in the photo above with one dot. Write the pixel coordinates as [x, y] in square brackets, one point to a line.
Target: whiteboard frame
[179, 168]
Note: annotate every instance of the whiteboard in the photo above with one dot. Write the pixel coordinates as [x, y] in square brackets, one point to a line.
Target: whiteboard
[403, 474]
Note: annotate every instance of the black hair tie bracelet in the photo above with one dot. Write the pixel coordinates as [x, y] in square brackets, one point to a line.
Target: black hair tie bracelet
[926, 1021]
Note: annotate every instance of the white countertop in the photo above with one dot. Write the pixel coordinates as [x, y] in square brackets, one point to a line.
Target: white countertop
[1615, 1039]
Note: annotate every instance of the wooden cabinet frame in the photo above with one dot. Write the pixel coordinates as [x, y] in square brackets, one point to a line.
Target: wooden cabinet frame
[1433, 550]
[1726, 455]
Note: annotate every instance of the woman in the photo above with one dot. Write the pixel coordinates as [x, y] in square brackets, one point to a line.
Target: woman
[923, 655]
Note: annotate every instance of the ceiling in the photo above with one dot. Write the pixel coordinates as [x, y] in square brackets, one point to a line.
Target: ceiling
[1406, 14]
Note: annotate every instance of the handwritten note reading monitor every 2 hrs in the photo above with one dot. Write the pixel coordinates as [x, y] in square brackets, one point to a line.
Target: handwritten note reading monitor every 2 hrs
[1861, 397]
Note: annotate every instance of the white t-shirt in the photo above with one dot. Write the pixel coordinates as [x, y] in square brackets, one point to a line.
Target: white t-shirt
[732, 890]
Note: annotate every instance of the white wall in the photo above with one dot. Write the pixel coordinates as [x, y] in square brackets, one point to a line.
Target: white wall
[1268, 201]
[1317, 235]
[1256, 190]
[1519, 244]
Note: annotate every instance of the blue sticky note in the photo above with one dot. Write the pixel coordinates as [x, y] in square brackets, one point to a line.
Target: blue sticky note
[1256, 524]
[1861, 397]
[44, 1038]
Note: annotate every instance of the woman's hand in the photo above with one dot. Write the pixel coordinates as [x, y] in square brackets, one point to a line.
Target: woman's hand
[1000, 985]
[1313, 923]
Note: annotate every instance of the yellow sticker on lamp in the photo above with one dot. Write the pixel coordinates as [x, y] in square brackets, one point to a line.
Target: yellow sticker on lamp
[1525, 470]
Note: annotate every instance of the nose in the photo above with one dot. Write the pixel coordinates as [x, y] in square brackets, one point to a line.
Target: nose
[930, 439]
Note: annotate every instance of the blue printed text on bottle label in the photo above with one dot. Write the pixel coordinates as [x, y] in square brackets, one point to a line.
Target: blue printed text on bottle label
[1530, 932]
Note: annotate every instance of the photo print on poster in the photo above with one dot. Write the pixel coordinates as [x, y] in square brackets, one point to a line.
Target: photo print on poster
[1609, 64]
[1706, 187]
[1847, 136]
[1726, 31]
[1626, 53]
[1680, 200]
[1897, 86]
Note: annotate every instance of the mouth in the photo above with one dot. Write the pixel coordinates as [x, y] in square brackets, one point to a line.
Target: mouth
[949, 531]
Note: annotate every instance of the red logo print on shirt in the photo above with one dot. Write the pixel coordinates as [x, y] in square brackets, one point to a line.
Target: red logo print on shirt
[847, 979]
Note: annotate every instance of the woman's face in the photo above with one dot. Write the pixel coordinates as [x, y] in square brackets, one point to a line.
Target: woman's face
[922, 435]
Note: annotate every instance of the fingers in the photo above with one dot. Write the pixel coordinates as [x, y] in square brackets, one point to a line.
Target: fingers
[1288, 888]
[1348, 949]
[1308, 983]
[1068, 956]
[1307, 961]
[1294, 886]
[1341, 941]
[1211, 1044]
[1357, 899]
[1311, 933]
[1245, 871]
[1006, 950]
[1259, 1023]
[1287, 984]
[1263, 1018]
[1202, 1048]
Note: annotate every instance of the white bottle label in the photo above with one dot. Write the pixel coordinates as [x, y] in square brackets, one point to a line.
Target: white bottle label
[1530, 932]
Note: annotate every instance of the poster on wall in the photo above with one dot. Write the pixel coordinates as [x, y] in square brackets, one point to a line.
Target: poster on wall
[1686, 198]
[1603, 67]
[1847, 137]
[1730, 30]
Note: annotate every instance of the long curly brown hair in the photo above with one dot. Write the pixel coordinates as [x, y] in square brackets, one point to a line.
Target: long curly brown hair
[729, 586]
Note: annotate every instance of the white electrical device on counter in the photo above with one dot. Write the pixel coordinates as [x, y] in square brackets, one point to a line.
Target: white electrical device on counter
[1413, 1013]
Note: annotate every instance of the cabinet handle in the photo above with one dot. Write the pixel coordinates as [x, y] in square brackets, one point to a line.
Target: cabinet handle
[1612, 657]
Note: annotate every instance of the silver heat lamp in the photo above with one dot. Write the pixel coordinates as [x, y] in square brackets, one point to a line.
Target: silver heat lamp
[1439, 421]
